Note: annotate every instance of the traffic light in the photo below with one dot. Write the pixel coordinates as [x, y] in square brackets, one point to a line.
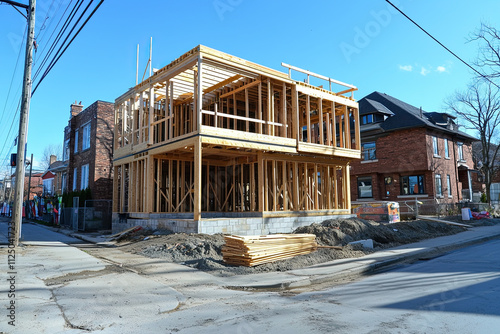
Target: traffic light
[13, 159]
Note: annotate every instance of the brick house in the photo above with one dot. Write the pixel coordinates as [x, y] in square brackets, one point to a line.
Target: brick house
[408, 153]
[35, 185]
[54, 177]
[88, 150]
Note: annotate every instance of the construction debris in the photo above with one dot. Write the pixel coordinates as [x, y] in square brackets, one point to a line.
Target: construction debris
[250, 251]
[125, 233]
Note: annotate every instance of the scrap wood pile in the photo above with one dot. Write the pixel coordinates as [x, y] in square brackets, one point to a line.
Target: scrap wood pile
[254, 250]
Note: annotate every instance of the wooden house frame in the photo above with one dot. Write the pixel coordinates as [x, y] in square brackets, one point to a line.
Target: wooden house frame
[211, 138]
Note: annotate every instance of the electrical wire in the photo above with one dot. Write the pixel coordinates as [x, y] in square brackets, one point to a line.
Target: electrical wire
[55, 60]
[454, 54]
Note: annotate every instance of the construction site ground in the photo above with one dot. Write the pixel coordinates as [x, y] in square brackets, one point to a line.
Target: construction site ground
[203, 252]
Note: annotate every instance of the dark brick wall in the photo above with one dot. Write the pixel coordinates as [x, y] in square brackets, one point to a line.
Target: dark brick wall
[100, 114]
[410, 152]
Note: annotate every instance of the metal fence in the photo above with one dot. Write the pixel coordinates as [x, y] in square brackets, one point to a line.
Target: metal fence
[433, 207]
[94, 216]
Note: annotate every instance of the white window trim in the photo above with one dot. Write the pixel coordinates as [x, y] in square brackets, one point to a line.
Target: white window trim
[438, 176]
[85, 140]
[76, 140]
[84, 179]
[75, 174]
[448, 184]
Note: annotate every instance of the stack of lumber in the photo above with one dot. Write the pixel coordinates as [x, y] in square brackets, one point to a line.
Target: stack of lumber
[254, 250]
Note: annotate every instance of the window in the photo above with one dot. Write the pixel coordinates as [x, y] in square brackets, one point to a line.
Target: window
[439, 188]
[448, 184]
[446, 151]
[76, 141]
[84, 183]
[64, 178]
[368, 151]
[460, 151]
[435, 146]
[367, 119]
[47, 186]
[86, 137]
[365, 187]
[412, 185]
[75, 172]
[66, 150]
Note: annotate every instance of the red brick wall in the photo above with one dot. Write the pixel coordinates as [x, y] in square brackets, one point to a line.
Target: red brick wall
[410, 152]
[99, 156]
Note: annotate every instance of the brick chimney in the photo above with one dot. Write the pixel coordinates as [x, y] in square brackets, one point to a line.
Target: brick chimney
[53, 158]
[76, 108]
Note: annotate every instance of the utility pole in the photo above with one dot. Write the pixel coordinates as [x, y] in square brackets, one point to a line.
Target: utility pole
[23, 121]
[28, 212]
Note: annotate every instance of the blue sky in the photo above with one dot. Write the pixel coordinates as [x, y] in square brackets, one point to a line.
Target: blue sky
[364, 42]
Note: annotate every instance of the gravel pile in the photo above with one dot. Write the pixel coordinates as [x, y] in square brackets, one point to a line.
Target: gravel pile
[203, 251]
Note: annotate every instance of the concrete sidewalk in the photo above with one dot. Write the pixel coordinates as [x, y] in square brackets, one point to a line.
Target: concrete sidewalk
[334, 271]
[58, 288]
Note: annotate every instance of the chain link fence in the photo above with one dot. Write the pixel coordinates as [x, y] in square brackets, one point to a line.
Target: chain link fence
[94, 216]
[410, 208]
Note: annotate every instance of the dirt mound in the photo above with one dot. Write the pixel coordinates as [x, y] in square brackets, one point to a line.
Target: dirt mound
[204, 252]
[335, 232]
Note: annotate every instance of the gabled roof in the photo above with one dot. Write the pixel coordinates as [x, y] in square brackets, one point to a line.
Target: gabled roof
[371, 106]
[58, 166]
[405, 116]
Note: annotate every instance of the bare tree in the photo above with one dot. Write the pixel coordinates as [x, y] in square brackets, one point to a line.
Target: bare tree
[479, 107]
[488, 58]
[49, 150]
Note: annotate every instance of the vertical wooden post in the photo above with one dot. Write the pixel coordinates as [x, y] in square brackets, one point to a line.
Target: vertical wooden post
[275, 185]
[247, 110]
[242, 188]
[329, 187]
[158, 185]
[285, 186]
[197, 180]
[266, 186]
[121, 205]
[171, 184]
[260, 173]
[283, 110]
[306, 185]
[357, 137]
[215, 116]
[316, 187]
[116, 193]
[347, 129]
[308, 118]
[295, 114]
[141, 116]
[235, 112]
[150, 183]
[151, 114]
[334, 126]
[270, 108]
[260, 107]
[347, 188]
[321, 134]
[252, 187]
[296, 186]
[207, 201]
[199, 103]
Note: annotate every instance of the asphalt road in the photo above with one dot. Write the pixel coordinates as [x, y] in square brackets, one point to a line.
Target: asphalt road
[63, 289]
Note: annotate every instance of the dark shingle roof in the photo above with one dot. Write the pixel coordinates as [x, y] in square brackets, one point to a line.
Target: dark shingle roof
[407, 116]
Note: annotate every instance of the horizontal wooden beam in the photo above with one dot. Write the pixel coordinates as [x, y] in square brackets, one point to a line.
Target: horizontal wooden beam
[239, 89]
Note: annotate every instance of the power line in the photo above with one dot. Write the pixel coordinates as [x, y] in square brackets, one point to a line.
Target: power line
[428, 34]
[55, 60]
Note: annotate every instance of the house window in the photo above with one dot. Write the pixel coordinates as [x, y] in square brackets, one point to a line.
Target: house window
[460, 151]
[86, 137]
[446, 151]
[448, 184]
[365, 187]
[368, 151]
[435, 146]
[63, 183]
[439, 188]
[47, 186]
[75, 172]
[412, 185]
[84, 183]
[76, 141]
[66, 150]
[367, 119]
